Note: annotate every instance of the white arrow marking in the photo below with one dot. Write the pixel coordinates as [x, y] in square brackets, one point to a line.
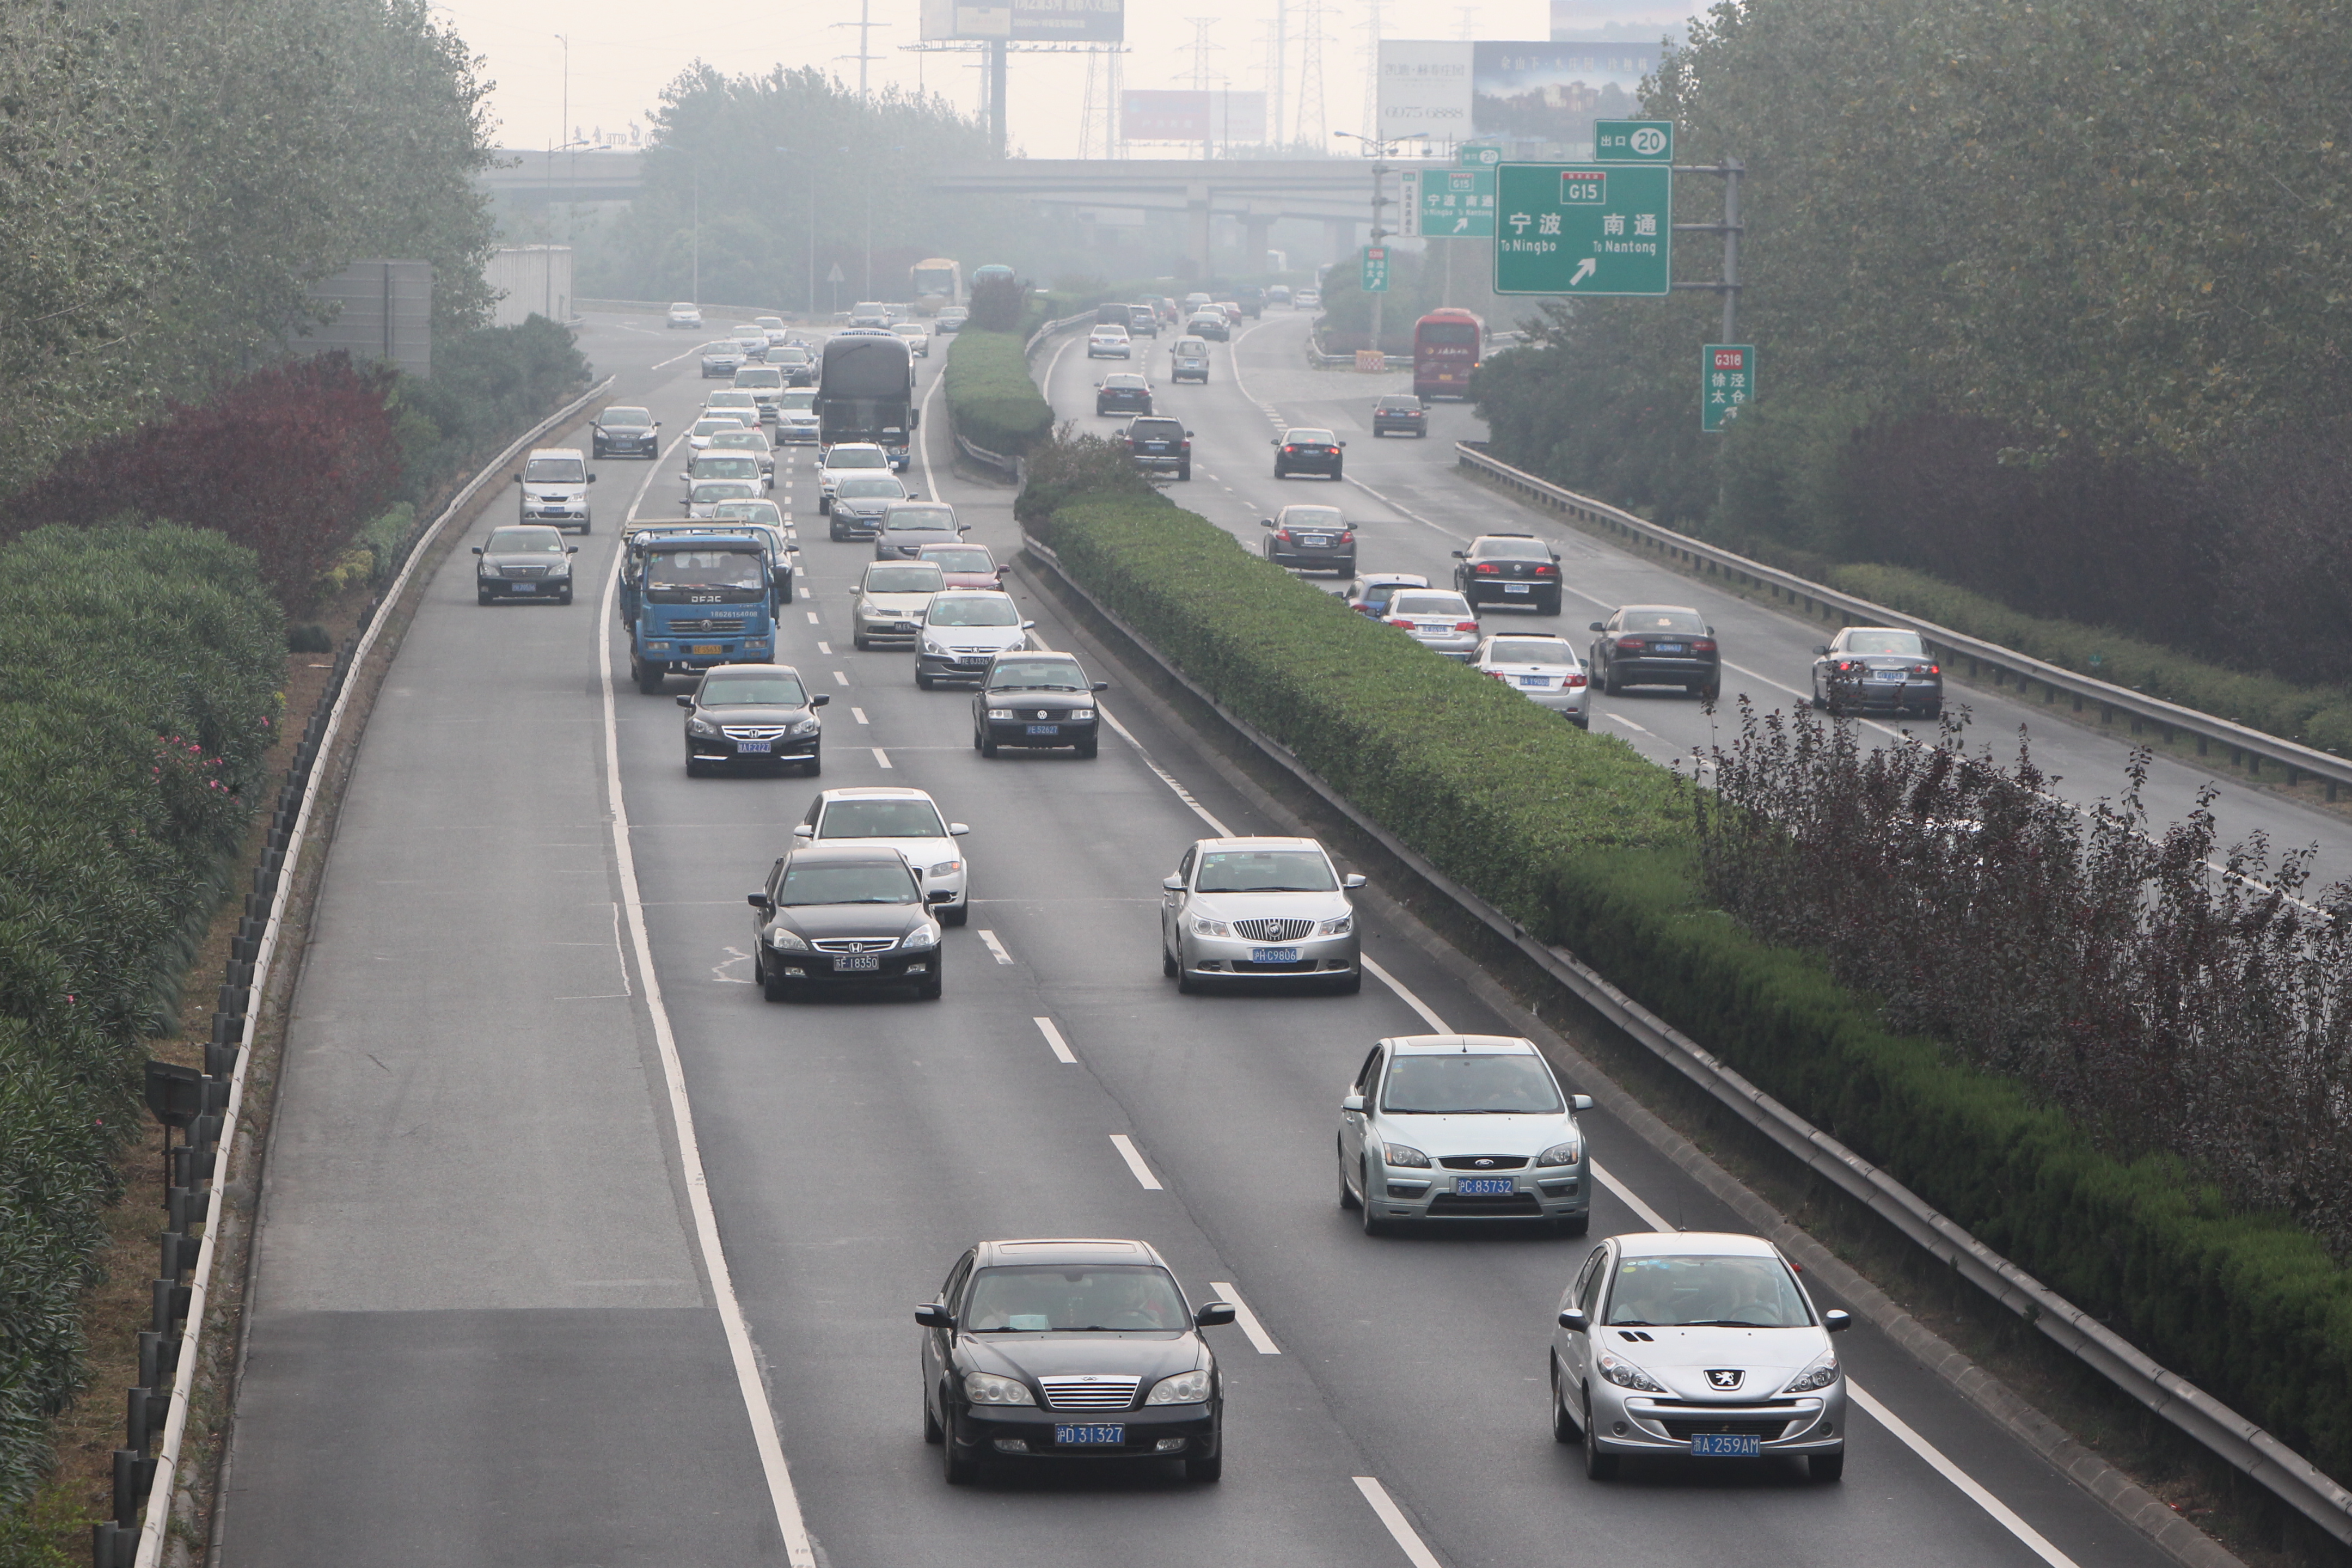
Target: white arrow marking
[1584, 270]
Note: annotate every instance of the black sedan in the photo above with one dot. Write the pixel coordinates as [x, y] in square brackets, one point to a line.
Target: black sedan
[1509, 569]
[838, 915]
[1401, 412]
[1312, 539]
[757, 713]
[1304, 451]
[1878, 667]
[626, 433]
[909, 528]
[1657, 645]
[1035, 700]
[798, 365]
[1070, 1350]
[525, 561]
[1122, 394]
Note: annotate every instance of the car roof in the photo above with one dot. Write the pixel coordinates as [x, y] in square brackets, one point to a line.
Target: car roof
[975, 593]
[853, 447]
[1295, 431]
[1725, 1243]
[1454, 1045]
[554, 452]
[626, 408]
[1398, 579]
[868, 853]
[1071, 1250]
[1261, 842]
[751, 670]
[525, 528]
[1643, 609]
[875, 792]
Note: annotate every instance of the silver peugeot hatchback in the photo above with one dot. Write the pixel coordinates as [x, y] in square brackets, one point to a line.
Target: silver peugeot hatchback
[1462, 1127]
[1257, 909]
[1696, 1343]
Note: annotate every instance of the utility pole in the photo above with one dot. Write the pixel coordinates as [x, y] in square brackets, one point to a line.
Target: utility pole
[865, 26]
[1730, 169]
[1202, 49]
[572, 185]
[695, 293]
[1371, 25]
[813, 162]
[1379, 151]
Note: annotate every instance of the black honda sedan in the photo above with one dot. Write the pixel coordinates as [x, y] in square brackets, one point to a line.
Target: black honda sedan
[839, 915]
[622, 432]
[1657, 645]
[1304, 451]
[756, 713]
[1069, 1349]
[1035, 700]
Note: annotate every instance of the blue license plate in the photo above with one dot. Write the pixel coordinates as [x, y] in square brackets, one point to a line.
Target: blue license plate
[1067, 1436]
[1519, 587]
[1045, 729]
[1313, 542]
[753, 748]
[855, 961]
[1728, 1446]
[1273, 956]
[1534, 681]
[1666, 648]
[1484, 1186]
[524, 587]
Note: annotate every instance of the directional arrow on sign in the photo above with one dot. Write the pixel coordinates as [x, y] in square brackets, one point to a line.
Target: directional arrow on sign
[1584, 270]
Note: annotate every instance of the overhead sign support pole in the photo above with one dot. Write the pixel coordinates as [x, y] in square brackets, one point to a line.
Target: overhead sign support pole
[1730, 169]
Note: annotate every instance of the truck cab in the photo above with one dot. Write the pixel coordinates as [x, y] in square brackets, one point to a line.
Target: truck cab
[694, 598]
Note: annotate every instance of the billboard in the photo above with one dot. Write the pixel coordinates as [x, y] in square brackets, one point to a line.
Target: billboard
[1424, 89]
[1203, 114]
[1026, 21]
[1546, 93]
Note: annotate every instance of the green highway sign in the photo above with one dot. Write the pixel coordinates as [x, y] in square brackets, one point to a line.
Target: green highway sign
[1727, 382]
[1376, 269]
[1478, 154]
[1590, 229]
[1451, 204]
[1633, 142]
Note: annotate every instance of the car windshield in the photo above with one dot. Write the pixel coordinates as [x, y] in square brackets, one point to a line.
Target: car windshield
[1032, 1300]
[1312, 517]
[1155, 430]
[760, 376]
[555, 471]
[722, 348]
[737, 691]
[1685, 1291]
[1904, 643]
[1434, 604]
[713, 427]
[742, 400]
[837, 459]
[848, 882]
[1651, 620]
[1509, 550]
[903, 817]
[1466, 1084]
[1392, 404]
[727, 468]
[973, 613]
[960, 558]
[790, 353]
[912, 578]
[524, 541]
[709, 492]
[1036, 674]
[1297, 437]
[702, 568]
[626, 418]
[865, 489]
[765, 511]
[920, 518]
[739, 440]
[1529, 651]
[1265, 871]
[797, 401]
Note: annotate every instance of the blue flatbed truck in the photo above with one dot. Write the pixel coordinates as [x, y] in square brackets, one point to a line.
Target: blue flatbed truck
[693, 599]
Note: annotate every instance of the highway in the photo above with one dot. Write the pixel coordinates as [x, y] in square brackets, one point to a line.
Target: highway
[573, 1251]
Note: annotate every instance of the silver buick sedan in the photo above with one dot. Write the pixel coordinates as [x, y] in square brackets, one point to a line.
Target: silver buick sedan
[1258, 909]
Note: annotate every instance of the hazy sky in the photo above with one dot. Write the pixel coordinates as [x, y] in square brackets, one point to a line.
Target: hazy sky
[623, 51]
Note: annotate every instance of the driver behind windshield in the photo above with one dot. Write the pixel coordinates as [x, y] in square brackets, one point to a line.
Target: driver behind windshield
[1036, 674]
[702, 568]
[1074, 1300]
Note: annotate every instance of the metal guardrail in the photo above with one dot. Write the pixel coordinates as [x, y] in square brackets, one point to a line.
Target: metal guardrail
[2231, 1436]
[2245, 744]
[1321, 361]
[1009, 467]
[233, 1035]
[1060, 324]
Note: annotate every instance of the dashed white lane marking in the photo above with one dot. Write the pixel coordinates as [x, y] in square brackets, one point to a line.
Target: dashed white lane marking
[1125, 1148]
[1164, 777]
[859, 714]
[1245, 1319]
[841, 677]
[825, 648]
[1062, 1054]
[881, 757]
[813, 619]
[988, 940]
[1400, 1527]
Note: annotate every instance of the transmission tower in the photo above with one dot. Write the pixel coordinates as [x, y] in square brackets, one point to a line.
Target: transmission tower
[865, 26]
[1313, 130]
[1098, 127]
[1202, 49]
[1371, 26]
[1087, 110]
[1469, 28]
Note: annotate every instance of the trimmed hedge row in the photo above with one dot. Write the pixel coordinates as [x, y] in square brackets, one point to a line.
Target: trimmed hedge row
[2315, 715]
[991, 399]
[1592, 849]
[139, 666]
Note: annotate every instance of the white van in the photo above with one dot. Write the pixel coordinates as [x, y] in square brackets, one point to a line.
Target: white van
[555, 481]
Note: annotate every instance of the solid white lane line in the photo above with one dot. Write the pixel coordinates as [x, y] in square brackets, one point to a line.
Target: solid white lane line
[1164, 777]
[1625, 1195]
[765, 1437]
[1061, 1053]
[1404, 994]
[824, 647]
[988, 940]
[881, 757]
[1245, 1320]
[859, 714]
[646, 483]
[1419, 1555]
[1126, 1147]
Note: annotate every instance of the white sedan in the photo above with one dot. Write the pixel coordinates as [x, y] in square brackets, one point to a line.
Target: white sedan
[906, 820]
[685, 313]
[1109, 342]
[1544, 670]
[917, 336]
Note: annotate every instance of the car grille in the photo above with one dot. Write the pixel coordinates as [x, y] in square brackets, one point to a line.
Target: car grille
[1273, 930]
[1090, 1393]
[854, 944]
[710, 626]
[1483, 1161]
[752, 732]
[522, 571]
[1507, 1203]
[1684, 1427]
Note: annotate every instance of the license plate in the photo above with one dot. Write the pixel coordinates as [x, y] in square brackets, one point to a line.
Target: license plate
[1045, 729]
[706, 649]
[1313, 542]
[1728, 1446]
[848, 961]
[1064, 1435]
[1519, 587]
[753, 748]
[1484, 1186]
[1273, 956]
[1534, 681]
[1666, 648]
[524, 587]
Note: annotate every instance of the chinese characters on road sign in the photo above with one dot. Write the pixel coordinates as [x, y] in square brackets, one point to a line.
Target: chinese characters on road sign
[1376, 269]
[1583, 228]
[1727, 382]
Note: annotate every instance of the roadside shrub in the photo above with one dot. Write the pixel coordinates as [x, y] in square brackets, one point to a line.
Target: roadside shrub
[1074, 465]
[991, 399]
[997, 302]
[487, 387]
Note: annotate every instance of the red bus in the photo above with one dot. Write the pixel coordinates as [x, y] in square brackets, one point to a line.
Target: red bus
[1445, 346]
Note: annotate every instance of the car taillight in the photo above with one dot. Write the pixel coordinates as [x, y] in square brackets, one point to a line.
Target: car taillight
[1347, 536]
[1400, 621]
[1466, 625]
[1926, 669]
[1293, 450]
[1185, 445]
[1703, 645]
[1283, 534]
[1572, 680]
[1631, 644]
[1498, 675]
[1845, 667]
[1485, 570]
[1547, 571]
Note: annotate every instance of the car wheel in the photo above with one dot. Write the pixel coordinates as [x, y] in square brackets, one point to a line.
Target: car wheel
[1598, 1466]
[1167, 963]
[1347, 1199]
[1280, 472]
[1353, 984]
[857, 640]
[1337, 471]
[1709, 693]
[922, 680]
[928, 990]
[1826, 1466]
[961, 1469]
[1816, 700]
[1548, 607]
[1423, 431]
[649, 680]
[788, 590]
[931, 1431]
[1205, 1470]
[956, 914]
[1087, 748]
[773, 985]
[1576, 1227]
[483, 596]
[1373, 1226]
[693, 768]
[1563, 1424]
[1185, 985]
[1184, 471]
[1933, 711]
[566, 599]
[816, 762]
[1609, 687]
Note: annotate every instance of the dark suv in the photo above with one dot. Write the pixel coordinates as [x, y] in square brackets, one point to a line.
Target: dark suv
[1159, 445]
[1251, 298]
[1509, 569]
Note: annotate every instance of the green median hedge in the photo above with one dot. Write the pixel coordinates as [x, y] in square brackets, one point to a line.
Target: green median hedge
[139, 668]
[1592, 849]
[991, 398]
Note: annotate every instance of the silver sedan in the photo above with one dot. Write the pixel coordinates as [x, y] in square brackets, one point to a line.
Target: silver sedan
[1544, 670]
[1437, 618]
[1257, 909]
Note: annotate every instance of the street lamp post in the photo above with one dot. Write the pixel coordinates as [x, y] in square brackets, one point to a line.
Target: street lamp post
[787, 152]
[1380, 151]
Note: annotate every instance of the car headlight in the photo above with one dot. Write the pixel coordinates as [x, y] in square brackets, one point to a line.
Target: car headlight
[1626, 1374]
[927, 936]
[1210, 927]
[1406, 1155]
[1184, 1388]
[870, 610]
[784, 941]
[946, 868]
[561, 569]
[987, 1388]
[1566, 1154]
[934, 649]
[1079, 713]
[806, 726]
[1821, 1374]
[699, 725]
[1338, 925]
[999, 712]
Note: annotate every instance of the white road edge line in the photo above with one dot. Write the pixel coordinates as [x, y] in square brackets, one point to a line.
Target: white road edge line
[1415, 1552]
[1163, 775]
[1062, 1054]
[1404, 994]
[1245, 1319]
[1127, 1151]
[988, 940]
[765, 1436]
[647, 482]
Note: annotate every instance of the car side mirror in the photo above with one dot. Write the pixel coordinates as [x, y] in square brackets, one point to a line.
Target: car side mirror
[685, 701]
[1265, 522]
[1214, 1315]
[958, 829]
[1188, 436]
[478, 550]
[934, 1317]
[1835, 1321]
[1580, 1102]
[1572, 1318]
[1026, 625]
[1352, 880]
[804, 830]
[940, 896]
[758, 901]
[1710, 631]
[1101, 685]
[1275, 442]
[1343, 443]
[571, 549]
[1820, 648]
[517, 479]
[1596, 627]
[966, 528]
[1461, 555]
[819, 700]
[1352, 1103]
[1172, 884]
[592, 478]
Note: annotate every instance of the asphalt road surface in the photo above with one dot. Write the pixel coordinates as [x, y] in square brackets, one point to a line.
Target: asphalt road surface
[568, 1258]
